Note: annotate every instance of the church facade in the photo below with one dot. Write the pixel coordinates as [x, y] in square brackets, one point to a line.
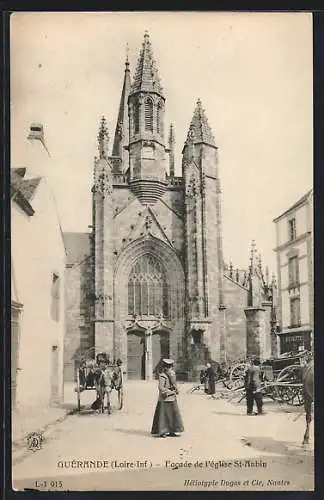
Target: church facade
[154, 279]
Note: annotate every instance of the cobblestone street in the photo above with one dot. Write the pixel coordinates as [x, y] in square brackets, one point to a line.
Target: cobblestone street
[258, 453]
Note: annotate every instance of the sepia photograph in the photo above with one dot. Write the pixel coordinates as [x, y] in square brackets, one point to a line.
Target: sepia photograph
[162, 296]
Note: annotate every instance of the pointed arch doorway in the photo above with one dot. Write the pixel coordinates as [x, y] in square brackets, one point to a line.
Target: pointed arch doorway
[148, 341]
[149, 307]
[148, 300]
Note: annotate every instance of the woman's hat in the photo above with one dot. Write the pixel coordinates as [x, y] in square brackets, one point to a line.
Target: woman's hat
[168, 361]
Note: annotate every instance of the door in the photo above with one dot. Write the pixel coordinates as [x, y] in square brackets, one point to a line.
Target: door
[160, 347]
[55, 393]
[136, 356]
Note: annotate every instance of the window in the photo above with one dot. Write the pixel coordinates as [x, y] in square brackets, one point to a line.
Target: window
[136, 118]
[147, 288]
[148, 115]
[293, 271]
[159, 119]
[197, 337]
[295, 312]
[55, 304]
[292, 228]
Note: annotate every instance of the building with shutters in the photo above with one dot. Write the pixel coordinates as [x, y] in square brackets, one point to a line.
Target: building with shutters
[159, 286]
[37, 284]
[294, 250]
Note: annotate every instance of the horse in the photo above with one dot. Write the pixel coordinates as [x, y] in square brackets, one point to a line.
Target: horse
[308, 393]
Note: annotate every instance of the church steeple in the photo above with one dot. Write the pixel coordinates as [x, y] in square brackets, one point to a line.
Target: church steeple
[146, 104]
[146, 77]
[122, 128]
[199, 130]
[200, 143]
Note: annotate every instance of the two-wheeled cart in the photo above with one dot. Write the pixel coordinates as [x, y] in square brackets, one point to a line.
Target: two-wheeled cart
[89, 371]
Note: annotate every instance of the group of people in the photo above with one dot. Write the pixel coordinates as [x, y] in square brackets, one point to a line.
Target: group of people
[167, 419]
[209, 376]
[105, 377]
[252, 383]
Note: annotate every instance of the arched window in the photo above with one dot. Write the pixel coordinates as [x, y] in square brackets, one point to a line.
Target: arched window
[148, 293]
[148, 115]
[160, 118]
[136, 118]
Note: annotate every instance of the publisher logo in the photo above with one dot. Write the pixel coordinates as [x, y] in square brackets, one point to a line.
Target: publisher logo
[34, 441]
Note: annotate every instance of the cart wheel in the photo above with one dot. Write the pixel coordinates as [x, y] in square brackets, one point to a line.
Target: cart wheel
[237, 374]
[120, 398]
[291, 394]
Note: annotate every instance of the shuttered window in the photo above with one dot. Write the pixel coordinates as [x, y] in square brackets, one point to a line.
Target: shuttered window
[293, 271]
[160, 119]
[136, 118]
[148, 115]
[295, 312]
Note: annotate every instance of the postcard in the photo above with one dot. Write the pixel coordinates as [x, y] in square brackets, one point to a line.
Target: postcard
[162, 326]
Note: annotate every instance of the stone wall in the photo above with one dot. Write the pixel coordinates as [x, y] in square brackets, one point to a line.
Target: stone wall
[79, 296]
[255, 327]
[235, 297]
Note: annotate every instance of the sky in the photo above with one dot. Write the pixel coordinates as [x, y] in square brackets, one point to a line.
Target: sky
[252, 72]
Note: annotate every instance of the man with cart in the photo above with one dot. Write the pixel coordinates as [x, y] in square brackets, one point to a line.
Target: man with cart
[252, 384]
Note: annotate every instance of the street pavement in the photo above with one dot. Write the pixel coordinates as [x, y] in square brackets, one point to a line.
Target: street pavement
[221, 449]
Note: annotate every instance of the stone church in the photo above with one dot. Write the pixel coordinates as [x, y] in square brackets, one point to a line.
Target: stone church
[149, 280]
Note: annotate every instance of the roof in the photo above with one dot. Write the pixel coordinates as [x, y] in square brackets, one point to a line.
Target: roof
[122, 133]
[23, 190]
[146, 75]
[77, 246]
[200, 130]
[242, 282]
[298, 203]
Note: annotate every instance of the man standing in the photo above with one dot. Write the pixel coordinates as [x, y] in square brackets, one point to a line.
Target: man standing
[253, 388]
[212, 376]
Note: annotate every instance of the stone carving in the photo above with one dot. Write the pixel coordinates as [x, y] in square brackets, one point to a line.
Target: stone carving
[149, 325]
[102, 183]
[203, 181]
[192, 190]
[103, 139]
[148, 222]
[191, 135]
[120, 129]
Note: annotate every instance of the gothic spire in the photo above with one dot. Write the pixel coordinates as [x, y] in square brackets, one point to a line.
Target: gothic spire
[171, 148]
[253, 257]
[103, 139]
[199, 130]
[122, 127]
[146, 76]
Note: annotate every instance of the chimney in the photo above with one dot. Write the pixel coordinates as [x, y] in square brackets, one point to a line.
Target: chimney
[36, 131]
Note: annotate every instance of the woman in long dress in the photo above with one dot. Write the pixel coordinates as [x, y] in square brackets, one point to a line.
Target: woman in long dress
[167, 420]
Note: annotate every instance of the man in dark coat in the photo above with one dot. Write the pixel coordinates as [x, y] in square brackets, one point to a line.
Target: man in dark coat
[212, 376]
[253, 388]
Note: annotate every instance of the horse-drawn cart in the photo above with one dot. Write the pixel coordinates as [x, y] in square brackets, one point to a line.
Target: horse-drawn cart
[97, 373]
